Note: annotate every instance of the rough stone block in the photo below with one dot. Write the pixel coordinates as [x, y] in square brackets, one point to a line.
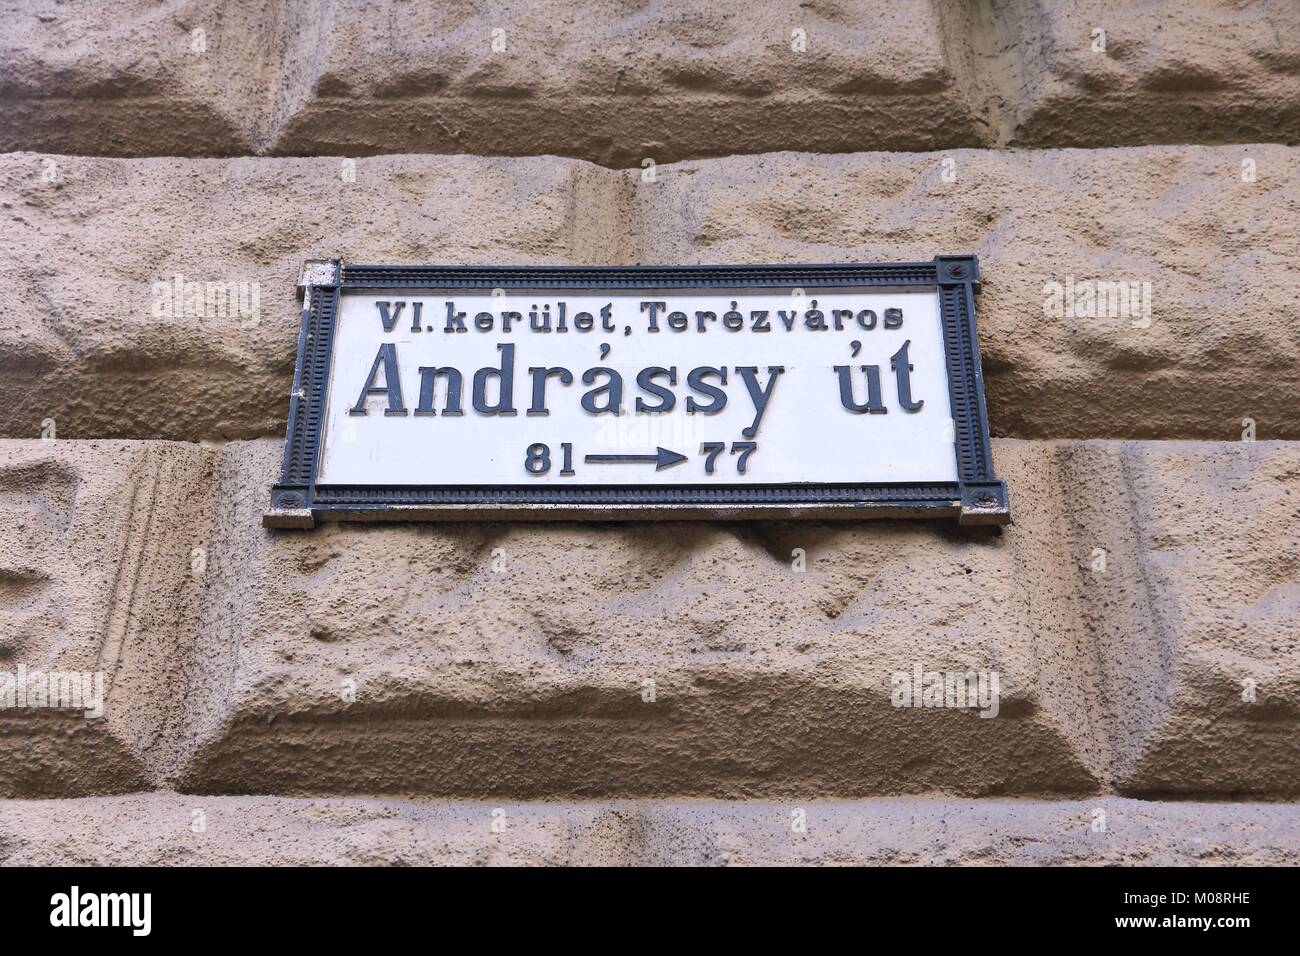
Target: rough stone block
[1115, 72]
[624, 83]
[637, 659]
[135, 78]
[97, 585]
[1191, 583]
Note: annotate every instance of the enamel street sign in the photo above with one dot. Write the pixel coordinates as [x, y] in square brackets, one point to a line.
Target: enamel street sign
[457, 392]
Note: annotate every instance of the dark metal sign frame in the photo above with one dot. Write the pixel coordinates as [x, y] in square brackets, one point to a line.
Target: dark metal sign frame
[977, 497]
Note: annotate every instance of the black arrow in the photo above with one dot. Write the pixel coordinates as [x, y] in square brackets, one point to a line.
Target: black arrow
[662, 458]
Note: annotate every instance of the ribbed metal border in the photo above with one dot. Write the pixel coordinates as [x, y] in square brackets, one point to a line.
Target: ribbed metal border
[311, 373]
[692, 494]
[364, 277]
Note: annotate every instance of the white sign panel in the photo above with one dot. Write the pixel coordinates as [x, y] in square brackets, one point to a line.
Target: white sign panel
[835, 386]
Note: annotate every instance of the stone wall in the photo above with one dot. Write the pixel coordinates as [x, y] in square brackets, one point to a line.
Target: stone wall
[616, 81]
[381, 694]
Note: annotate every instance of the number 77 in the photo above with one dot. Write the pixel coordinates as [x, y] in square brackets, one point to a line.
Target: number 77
[712, 449]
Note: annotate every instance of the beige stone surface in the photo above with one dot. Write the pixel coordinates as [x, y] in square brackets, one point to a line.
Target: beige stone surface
[1197, 611]
[655, 660]
[97, 547]
[80, 340]
[614, 83]
[1111, 72]
[1219, 254]
[513, 660]
[135, 77]
[80, 258]
[168, 829]
[620, 82]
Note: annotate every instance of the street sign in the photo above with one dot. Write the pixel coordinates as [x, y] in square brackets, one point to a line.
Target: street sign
[453, 392]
